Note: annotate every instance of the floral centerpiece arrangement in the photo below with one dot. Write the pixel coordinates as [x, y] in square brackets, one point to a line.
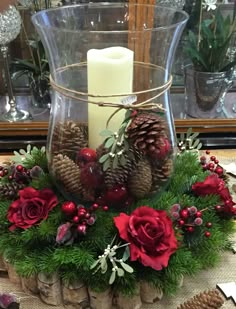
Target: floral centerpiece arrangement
[120, 252]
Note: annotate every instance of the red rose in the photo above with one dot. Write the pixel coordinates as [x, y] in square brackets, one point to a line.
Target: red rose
[32, 207]
[211, 185]
[150, 234]
[215, 185]
[229, 208]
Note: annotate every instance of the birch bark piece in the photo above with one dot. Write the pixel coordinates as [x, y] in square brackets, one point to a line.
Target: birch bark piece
[30, 285]
[12, 274]
[181, 281]
[129, 302]
[2, 264]
[101, 300]
[50, 288]
[150, 294]
[75, 295]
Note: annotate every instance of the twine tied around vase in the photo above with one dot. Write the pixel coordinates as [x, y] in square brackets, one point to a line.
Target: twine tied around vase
[144, 105]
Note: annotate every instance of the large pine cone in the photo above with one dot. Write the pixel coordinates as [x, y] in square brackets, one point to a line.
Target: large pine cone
[119, 175]
[160, 174]
[68, 173]
[207, 300]
[69, 137]
[140, 180]
[10, 190]
[147, 132]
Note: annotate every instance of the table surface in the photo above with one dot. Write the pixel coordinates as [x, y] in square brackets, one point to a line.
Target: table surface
[206, 279]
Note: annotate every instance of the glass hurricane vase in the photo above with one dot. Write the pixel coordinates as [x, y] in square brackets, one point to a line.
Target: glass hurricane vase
[111, 136]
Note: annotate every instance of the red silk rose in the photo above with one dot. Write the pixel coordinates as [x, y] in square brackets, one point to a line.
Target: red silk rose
[211, 185]
[215, 185]
[150, 234]
[31, 207]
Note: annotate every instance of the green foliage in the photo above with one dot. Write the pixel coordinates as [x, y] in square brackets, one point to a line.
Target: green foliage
[36, 66]
[35, 250]
[208, 46]
[31, 157]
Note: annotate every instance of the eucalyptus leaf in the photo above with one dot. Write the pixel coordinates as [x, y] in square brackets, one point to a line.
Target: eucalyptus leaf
[194, 135]
[94, 264]
[189, 132]
[109, 142]
[127, 268]
[104, 158]
[106, 132]
[120, 272]
[28, 155]
[113, 277]
[22, 151]
[104, 267]
[122, 160]
[115, 162]
[106, 165]
[199, 146]
[28, 148]
[195, 144]
[126, 254]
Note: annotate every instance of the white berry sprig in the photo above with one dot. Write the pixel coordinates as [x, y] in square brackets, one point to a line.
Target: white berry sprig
[119, 267]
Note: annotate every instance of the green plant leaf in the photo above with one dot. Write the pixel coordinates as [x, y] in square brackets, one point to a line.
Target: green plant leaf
[115, 162]
[94, 264]
[126, 254]
[127, 268]
[109, 142]
[120, 272]
[113, 277]
[106, 132]
[122, 160]
[106, 165]
[104, 158]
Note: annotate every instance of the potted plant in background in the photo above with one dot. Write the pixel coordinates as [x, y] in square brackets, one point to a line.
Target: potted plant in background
[35, 66]
[209, 76]
[37, 70]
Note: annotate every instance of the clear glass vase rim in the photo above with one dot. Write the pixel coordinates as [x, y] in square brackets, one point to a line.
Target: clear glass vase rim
[183, 20]
[193, 70]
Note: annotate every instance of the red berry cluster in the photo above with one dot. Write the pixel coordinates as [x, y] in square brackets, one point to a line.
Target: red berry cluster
[188, 218]
[211, 163]
[16, 173]
[80, 216]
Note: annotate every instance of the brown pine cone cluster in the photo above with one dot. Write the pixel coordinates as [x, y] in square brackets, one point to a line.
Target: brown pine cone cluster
[147, 132]
[67, 173]
[10, 190]
[140, 179]
[160, 174]
[205, 300]
[69, 137]
[119, 175]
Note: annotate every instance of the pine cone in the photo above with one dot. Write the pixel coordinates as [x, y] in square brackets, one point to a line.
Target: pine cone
[140, 180]
[160, 174]
[119, 175]
[69, 137]
[205, 300]
[147, 132]
[10, 190]
[68, 173]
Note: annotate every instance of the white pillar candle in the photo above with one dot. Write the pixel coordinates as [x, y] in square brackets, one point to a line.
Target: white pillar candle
[110, 72]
